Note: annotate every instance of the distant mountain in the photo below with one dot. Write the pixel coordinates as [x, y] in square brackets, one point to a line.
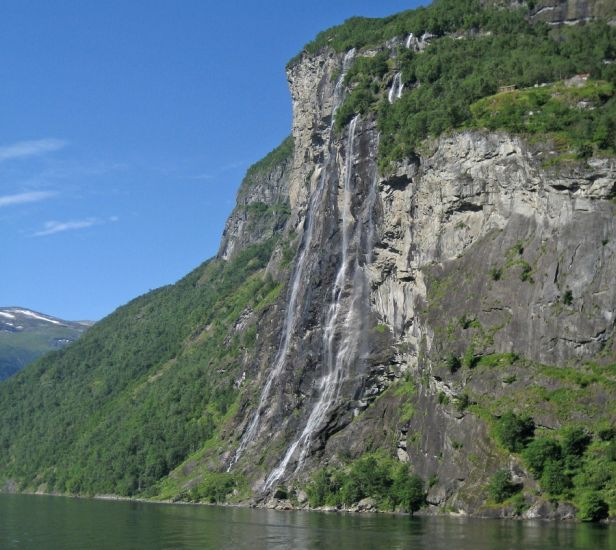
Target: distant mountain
[25, 335]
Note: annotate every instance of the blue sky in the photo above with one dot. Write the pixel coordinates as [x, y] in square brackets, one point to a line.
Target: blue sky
[126, 129]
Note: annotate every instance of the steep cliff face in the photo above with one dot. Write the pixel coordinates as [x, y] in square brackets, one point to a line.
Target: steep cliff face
[474, 249]
[480, 245]
[262, 206]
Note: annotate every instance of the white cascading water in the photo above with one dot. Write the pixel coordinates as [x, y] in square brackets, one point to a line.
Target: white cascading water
[291, 316]
[409, 40]
[395, 92]
[338, 362]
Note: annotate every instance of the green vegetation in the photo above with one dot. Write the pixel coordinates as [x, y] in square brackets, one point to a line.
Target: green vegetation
[387, 481]
[501, 487]
[405, 390]
[274, 158]
[443, 16]
[468, 359]
[476, 50]
[365, 76]
[452, 363]
[215, 488]
[592, 508]
[540, 452]
[496, 273]
[450, 80]
[581, 119]
[145, 387]
[571, 465]
[513, 431]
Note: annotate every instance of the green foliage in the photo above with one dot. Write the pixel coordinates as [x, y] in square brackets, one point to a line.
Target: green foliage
[539, 451]
[364, 77]
[440, 17]
[368, 476]
[382, 478]
[323, 489]
[578, 118]
[496, 273]
[215, 488]
[452, 362]
[575, 441]
[554, 479]
[359, 102]
[443, 398]
[140, 391]
[462, 402]
[408, 489]
[568, 298]
[592, 508]
[501, 487]
[277, 156]
[513, 431]
[381, 328]
[468, 359]
[454, 82]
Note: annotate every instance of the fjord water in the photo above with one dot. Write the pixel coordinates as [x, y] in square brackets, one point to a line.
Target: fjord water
[57, 523]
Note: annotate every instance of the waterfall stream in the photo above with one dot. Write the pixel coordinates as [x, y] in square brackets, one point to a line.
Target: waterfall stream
[292, 312]
[347, 326]
[395, 92]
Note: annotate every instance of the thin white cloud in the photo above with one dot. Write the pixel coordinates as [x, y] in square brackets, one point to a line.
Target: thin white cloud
[21, 198]
[23, 149]
[53, 227]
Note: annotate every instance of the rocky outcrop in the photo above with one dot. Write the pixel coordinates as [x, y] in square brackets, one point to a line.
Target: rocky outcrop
[572, 12]
[484, 200]
[262, 205]
[563, 12]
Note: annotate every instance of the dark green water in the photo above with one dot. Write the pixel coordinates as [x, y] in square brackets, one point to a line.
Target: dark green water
[55, 523]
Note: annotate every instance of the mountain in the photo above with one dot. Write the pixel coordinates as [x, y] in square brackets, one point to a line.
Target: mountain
[25, 335]
[412, 305]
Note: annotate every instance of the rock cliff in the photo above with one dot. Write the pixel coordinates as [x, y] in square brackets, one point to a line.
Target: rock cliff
[475, 246]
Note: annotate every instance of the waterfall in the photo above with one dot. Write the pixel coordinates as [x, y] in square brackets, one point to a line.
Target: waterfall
[409, 41]
[349, 276]
[291, 316]
[395, 92]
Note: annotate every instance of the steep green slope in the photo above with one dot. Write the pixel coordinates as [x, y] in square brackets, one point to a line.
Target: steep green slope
[124, 405]
[142, 389]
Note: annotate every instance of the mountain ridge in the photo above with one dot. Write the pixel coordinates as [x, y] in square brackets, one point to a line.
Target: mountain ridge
[26, 334]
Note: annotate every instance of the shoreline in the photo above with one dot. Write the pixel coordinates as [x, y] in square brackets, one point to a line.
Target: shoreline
[286, 506]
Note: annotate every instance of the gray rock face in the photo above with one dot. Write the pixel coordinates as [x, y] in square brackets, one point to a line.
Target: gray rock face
[262, 209]
[473, 244]
[564, 12]
[572, 12]
[467, 206]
